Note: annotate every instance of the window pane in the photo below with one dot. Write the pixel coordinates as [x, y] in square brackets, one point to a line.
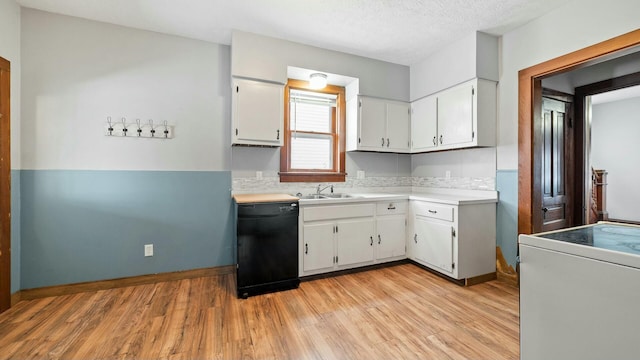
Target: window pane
[311, 152]
[310, 117]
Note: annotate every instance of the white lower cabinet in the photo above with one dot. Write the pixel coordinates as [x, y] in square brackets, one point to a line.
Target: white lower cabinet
[354, 242]
[338, 237]
[391, 228]
[335, 237]
[456, 240]
[434, 243]
[329, 245]
[318, 246]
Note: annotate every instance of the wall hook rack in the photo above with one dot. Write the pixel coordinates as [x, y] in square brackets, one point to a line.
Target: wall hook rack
[148, 130]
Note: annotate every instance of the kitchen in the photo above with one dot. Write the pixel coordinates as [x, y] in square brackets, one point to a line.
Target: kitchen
[150, 173]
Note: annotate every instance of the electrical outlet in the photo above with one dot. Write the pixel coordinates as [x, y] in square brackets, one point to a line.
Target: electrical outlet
[258, 175]
[447, 174]
[360, 174]
[148, 250]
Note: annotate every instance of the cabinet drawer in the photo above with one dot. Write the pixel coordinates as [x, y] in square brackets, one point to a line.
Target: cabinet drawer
[337, 212]
[435, 211]
[391, 207]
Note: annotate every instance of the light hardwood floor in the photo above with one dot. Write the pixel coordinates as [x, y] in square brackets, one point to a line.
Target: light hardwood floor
[399, 312]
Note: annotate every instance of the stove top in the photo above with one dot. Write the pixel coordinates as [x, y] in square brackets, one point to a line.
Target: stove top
[613, 237]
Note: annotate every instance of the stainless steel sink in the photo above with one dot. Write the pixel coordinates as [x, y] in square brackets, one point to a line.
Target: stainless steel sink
[312, 196]
[326, 196]
[340, 196]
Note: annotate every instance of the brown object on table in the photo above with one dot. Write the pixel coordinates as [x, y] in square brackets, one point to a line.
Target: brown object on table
[598, 206]
[262, 198]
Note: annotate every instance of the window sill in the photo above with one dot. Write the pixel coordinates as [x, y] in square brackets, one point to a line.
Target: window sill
[312, 177]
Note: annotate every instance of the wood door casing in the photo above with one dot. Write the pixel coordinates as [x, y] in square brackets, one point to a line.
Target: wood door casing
[5, 185]
[529, 84]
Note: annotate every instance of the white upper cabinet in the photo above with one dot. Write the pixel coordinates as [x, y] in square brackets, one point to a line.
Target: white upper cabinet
[372, 119]
[257, 113]
[455, 115]
[424, 124]
[460, 117]
[381, 125]
[398, 126]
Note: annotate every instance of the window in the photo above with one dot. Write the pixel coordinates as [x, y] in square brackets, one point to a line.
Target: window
[313, 148]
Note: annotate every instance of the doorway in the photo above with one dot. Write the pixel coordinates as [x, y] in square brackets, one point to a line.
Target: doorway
[530, 109]
[583, 94]
[5, 185]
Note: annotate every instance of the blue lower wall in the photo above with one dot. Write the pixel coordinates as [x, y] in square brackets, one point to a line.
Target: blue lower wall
[507, 216]
[92, 225]
[15, 231]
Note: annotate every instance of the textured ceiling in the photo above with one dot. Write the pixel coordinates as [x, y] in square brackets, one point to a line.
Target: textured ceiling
[399, 31]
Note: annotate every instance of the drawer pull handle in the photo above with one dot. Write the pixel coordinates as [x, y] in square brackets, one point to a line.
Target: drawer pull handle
[379, 239]
[371, 237]
[391, 207]
[433, 211]
[415, 238]
[306, 248]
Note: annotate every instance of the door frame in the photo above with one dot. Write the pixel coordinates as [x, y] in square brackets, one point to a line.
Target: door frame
[581, 93]
[529, 108]
[5, 184]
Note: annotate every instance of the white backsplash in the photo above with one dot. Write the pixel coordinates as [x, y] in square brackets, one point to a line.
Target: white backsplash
[377, 184]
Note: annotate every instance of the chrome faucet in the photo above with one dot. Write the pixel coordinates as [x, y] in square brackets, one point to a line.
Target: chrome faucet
[320, 188]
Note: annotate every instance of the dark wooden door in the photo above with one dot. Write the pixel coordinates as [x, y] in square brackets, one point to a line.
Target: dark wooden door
[556, 159]
[5, 188]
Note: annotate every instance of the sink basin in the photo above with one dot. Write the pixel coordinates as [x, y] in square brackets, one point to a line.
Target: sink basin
[312, 196]
[327, 196]
[340, 196]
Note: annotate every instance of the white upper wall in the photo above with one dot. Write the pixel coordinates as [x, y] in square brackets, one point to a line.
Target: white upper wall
[614, 147]
[473, 56]
[10, 50]
[77, 72]
[572, 27]
[264, 58]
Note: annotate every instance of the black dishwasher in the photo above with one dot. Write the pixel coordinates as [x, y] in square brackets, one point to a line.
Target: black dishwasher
[267, 246]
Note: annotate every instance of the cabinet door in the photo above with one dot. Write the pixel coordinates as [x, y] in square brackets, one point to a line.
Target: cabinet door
[371, 124]
[455, 115]
[318, 246]
[424, 124]
[391, 240]
[257, 112]
[355, 241]
[434, 243]
[398, 119]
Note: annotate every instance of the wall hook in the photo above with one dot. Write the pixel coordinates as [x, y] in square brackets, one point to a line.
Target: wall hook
[110, 125]
[139, 130]
[124, 126]
[166, 129]
[153, 130]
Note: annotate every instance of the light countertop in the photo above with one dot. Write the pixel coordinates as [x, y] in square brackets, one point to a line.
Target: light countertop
[443, 196]
[262, 198]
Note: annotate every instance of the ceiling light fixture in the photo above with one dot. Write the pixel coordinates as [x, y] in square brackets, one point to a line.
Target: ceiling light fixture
[317, 81]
